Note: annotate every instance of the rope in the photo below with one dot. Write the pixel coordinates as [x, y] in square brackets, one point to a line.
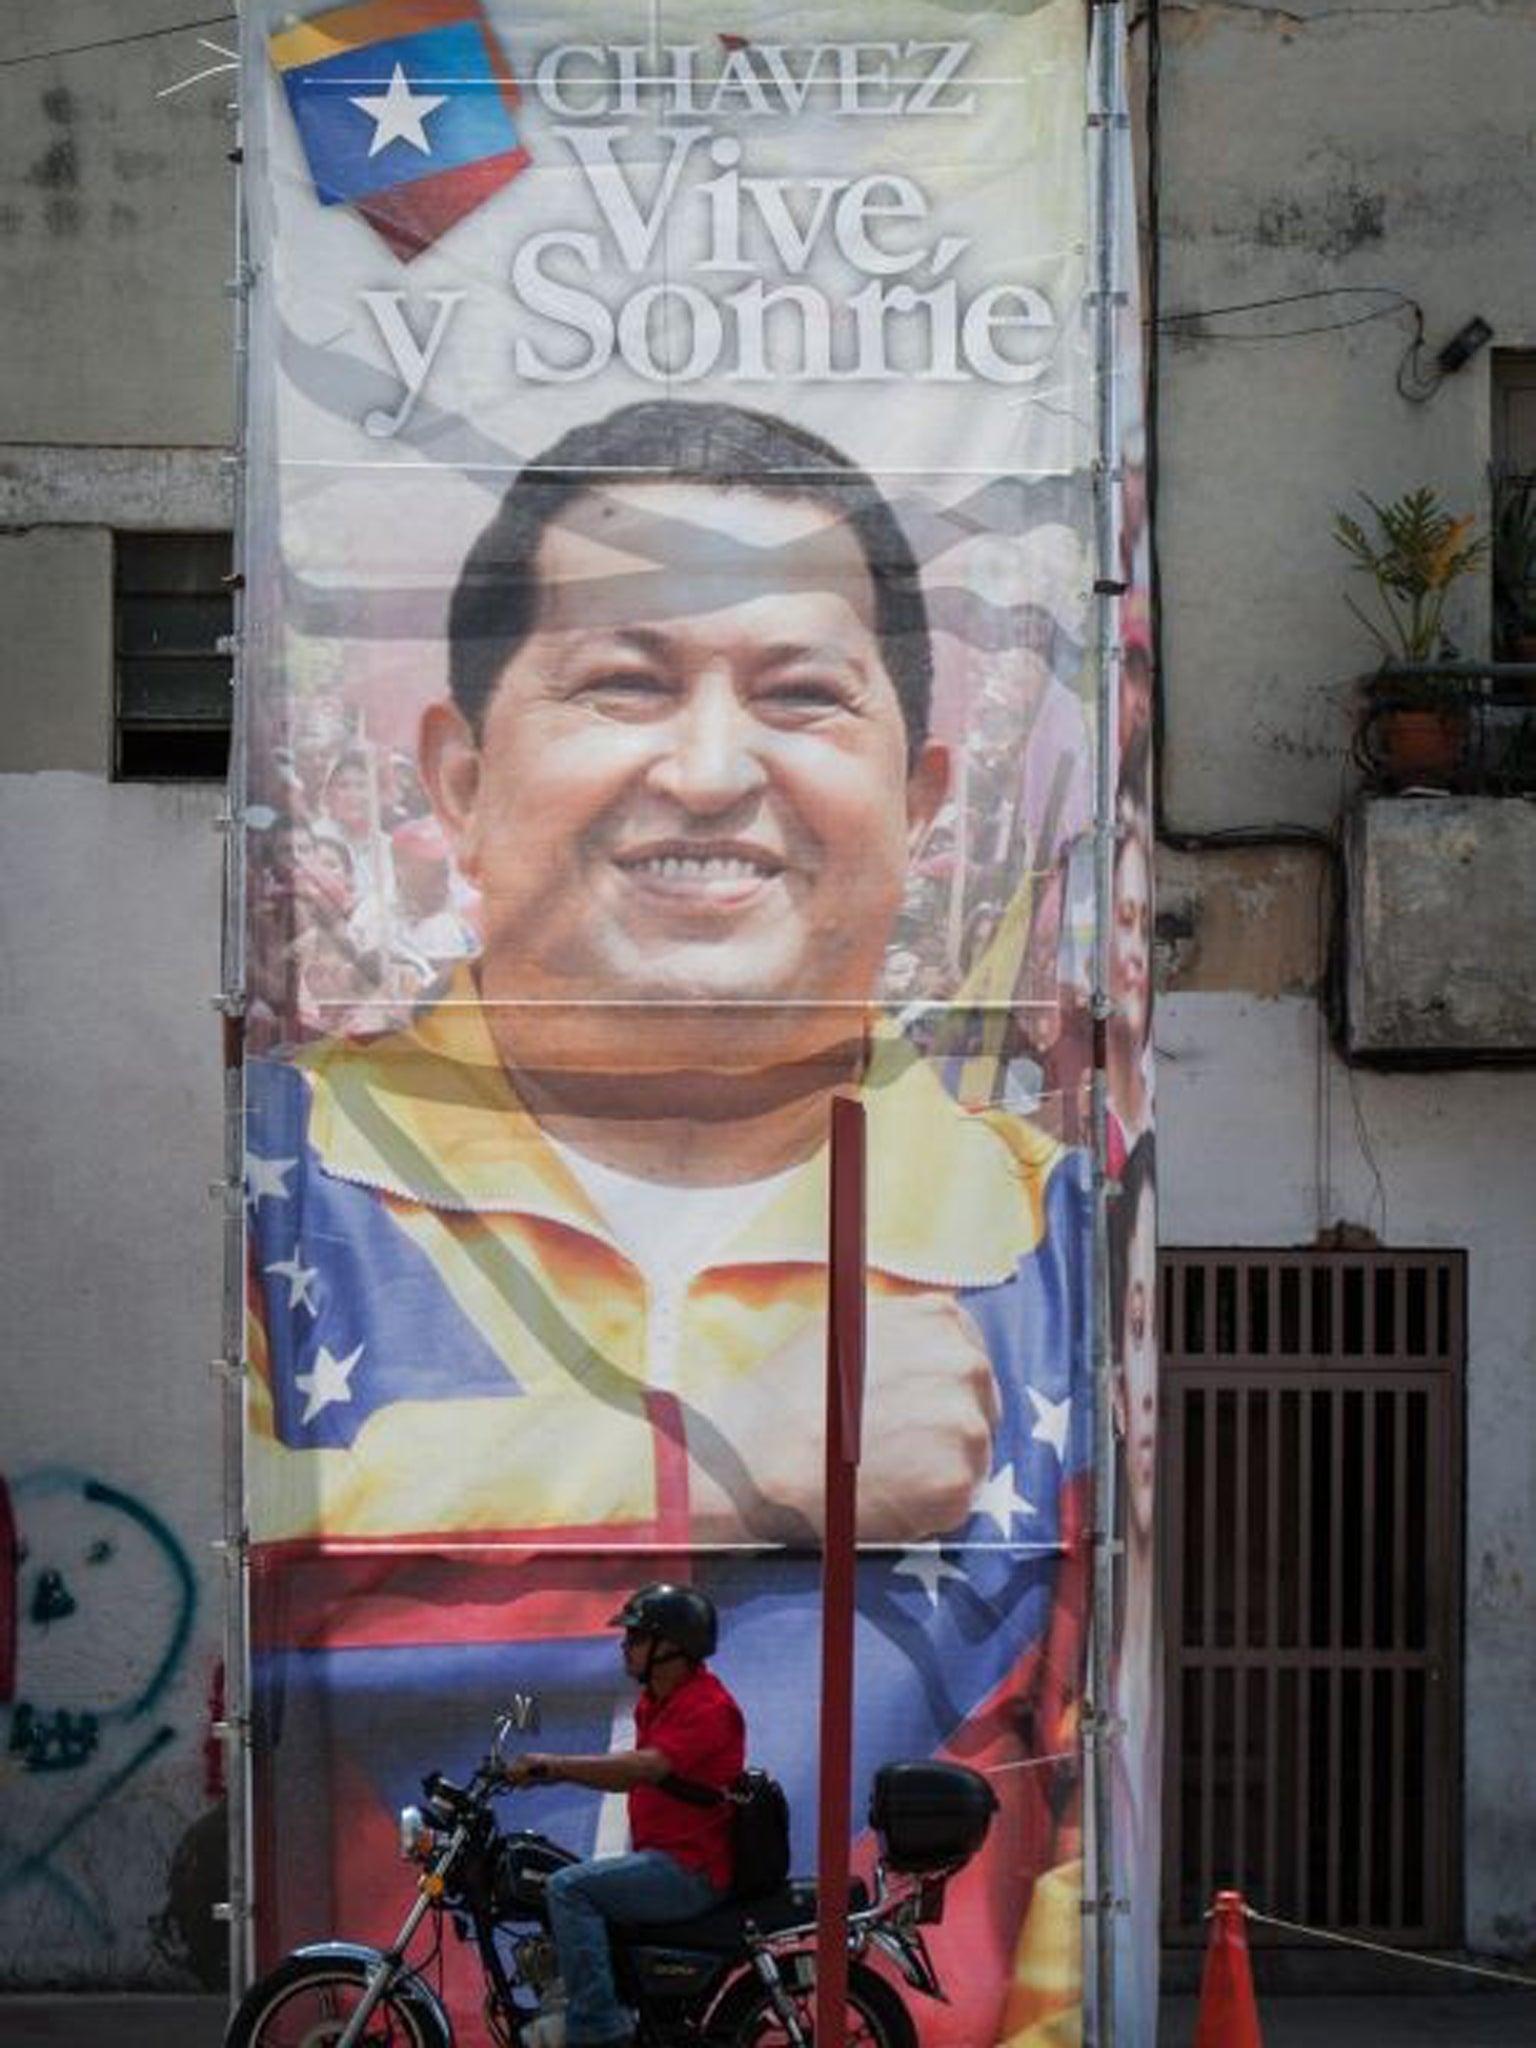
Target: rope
[1381, 1948]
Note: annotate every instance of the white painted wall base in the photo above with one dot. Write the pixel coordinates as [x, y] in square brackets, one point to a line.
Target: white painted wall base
[110, 1107]
[1264, 1137]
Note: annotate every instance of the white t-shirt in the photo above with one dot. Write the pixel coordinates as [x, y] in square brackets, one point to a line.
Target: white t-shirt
[670, 1233]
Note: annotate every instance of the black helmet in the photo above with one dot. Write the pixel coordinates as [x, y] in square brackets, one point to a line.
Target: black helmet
[682, 1614]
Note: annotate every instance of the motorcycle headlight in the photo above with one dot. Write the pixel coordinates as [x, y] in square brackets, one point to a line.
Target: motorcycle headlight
[418, 1837]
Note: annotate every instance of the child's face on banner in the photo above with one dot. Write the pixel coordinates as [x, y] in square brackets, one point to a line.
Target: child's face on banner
[689, 788]
[1136, 1380]
[1131, 957]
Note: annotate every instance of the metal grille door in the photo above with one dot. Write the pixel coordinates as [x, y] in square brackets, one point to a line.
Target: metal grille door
[1312, 1435]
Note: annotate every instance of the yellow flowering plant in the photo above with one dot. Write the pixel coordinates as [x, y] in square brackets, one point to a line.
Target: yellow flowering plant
[1416, 554]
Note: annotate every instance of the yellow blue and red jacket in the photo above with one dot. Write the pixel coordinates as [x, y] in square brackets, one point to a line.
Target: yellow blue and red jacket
[467, 1440]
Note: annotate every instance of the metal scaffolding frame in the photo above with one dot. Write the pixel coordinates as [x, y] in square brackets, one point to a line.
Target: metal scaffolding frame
[235, 1727]
[1107, 126]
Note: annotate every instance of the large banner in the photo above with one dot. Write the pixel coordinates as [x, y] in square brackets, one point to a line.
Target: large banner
[672, 697]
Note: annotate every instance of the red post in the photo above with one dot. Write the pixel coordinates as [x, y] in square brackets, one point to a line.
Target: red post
[845, 1405]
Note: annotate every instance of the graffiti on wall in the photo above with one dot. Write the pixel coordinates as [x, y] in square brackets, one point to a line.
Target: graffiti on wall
[97, 1602]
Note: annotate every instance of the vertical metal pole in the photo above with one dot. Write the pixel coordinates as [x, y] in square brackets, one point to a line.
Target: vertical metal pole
[845, 1403]
[235, 1728]
[1107, 125]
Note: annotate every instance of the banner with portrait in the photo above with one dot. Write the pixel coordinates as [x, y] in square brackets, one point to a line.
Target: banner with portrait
[671, 697]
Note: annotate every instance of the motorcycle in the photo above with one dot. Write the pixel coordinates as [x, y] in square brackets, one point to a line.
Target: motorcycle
[741, 1976]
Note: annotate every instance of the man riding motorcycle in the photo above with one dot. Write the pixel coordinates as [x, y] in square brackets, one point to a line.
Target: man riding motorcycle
[687, 1727]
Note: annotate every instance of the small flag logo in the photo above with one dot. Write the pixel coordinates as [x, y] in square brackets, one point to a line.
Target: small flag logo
[407, 112]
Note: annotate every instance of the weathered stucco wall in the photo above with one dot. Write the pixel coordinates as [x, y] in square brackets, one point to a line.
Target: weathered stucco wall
[1254, 918]
[109, 1463]
[1309, 146]
[115, 211]
[1254, 1151]
[1316, 145]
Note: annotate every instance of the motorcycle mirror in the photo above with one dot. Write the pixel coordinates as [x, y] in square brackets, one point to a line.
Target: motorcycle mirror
[521, 1717]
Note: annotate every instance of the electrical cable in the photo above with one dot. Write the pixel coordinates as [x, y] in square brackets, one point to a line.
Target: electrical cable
[1322, 1095]
[143, 35]
[1153, 427]
[1331, 875]
[1367, 1152]
[1250, 835]
[1331, 291]
[1414, 383]
[1396, 302]
[1424, 387]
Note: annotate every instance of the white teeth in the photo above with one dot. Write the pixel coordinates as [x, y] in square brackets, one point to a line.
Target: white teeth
[674, 867]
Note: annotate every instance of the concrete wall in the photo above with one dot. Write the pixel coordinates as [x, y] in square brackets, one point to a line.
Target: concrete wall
[115, 211]
[1264, 1137]
[1318, 145]
[109, 1272]
[115, 224]
[1322, 144]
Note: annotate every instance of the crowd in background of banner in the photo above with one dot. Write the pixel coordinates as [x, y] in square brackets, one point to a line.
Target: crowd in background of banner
[539, 1059]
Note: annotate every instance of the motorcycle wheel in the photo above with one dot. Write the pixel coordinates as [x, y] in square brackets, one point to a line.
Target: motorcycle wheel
[876, 2016]
[307, 2001]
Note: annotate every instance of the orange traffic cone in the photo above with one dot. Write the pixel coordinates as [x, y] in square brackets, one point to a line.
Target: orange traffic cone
[1229, 2016]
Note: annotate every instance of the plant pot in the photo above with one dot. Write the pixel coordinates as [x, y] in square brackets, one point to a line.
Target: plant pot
[1408, 744]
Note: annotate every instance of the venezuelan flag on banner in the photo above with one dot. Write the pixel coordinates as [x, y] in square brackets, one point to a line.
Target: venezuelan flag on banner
[407, 112]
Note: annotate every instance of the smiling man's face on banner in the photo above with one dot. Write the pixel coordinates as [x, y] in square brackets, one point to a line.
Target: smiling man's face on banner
[691, 785]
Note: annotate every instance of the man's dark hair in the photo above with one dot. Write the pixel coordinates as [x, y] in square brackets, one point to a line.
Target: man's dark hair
[495, 603]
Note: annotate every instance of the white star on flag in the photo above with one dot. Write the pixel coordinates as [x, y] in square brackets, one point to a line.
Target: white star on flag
[301, 1281]
[328, 1382]
[267, 1178]
[398, 114]
[1051, 1418]
[926, 1563]
[999, 1499]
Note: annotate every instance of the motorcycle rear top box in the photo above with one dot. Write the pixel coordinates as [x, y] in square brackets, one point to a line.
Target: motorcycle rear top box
[928, 1815]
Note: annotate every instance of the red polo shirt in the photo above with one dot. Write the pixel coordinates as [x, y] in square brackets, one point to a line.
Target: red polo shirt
[700, 1731]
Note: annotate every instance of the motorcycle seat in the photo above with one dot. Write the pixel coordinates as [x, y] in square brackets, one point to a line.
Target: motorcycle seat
[722, 1930]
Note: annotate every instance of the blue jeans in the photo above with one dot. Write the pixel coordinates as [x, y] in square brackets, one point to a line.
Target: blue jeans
[583, 1897]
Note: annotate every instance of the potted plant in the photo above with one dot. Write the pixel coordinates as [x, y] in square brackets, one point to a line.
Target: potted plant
[1514, 566]
[1414, 727]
